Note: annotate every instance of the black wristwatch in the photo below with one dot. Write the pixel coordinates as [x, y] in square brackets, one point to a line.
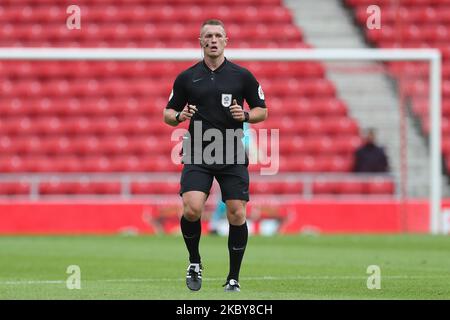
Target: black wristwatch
[177, 116]
[247, 116]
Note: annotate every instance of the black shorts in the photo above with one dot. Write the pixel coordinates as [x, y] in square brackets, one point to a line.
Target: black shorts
[232, 178]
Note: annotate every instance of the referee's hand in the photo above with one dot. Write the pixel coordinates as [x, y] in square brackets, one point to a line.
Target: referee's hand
[187, 112]
[237, 112]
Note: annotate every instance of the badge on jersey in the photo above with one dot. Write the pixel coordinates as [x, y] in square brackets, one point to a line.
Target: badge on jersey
[226, 100]
[260, 93]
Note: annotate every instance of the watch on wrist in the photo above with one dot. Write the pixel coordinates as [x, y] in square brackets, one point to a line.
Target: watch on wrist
[177, 116]
[247, 116]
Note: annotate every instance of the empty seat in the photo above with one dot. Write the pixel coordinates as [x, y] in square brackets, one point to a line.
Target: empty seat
[380, 186]
[15, 188]
[155, 187]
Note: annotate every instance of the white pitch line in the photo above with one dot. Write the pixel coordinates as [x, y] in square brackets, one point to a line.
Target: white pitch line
[263, 278]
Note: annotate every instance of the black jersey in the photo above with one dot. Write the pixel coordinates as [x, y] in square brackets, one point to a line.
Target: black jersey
[213, 93]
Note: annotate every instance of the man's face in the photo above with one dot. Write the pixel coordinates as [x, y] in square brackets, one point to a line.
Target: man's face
[215, 38]
[370, 137]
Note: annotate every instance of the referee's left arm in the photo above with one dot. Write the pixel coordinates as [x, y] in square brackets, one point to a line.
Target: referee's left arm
[170, 117]
[257, 114]
[254, 96]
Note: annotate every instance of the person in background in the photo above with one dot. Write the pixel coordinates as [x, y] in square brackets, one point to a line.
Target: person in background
[370, 157]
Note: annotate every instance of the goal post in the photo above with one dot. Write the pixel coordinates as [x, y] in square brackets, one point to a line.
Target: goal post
[431, 56]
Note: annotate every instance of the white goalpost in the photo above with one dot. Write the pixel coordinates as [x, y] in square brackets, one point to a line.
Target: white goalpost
[431, 56]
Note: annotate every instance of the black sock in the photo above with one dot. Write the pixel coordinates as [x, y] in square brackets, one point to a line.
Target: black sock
[191, 234]
[237, 241]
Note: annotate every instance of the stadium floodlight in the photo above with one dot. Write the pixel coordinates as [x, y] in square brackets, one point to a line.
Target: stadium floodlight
[431, 56]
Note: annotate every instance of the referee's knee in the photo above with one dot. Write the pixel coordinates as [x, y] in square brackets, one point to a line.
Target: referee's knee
[236, 216]
[192, 213]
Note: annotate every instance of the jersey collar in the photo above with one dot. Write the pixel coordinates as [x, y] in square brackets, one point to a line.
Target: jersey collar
[216, 70]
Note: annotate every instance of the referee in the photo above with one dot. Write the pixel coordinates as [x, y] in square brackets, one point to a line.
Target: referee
[211, 94]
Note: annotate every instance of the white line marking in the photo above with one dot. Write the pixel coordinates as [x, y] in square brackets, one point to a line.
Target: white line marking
[263, 278]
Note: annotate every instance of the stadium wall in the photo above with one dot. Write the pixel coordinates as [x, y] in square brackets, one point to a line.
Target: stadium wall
[321, 216]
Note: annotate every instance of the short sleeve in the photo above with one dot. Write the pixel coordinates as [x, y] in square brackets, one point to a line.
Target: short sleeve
[177, 98]
[254, 94]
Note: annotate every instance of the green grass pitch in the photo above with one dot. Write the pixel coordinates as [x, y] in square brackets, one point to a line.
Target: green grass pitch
[280, 267]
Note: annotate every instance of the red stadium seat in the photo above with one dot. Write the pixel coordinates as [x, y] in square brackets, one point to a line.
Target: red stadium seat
[324, 187]
[39, 164]
[12, 164]
[96, 164]
[67, 163]
[266, 187]
[15, 188]
[126, 164]
[381, 186]
[350, 187]
[155, 187]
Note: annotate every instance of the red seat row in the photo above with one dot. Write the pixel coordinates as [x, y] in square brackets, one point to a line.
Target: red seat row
[241, 13]
[77, 106]
[307, 125]
[311, 125]
[417, 69]
[138, 32]
[421, 88]
[414, 15]
[72, 163]
[84, 125]
[377, 186]
[148, 87]
[321, 163]
[276, 187]
[151, 106]
[149, 43]
[56, 186]
[85, 145]
[103, 69]
[431, 33]
[319, 106]
[143, 144]
[163, 70]
[84, 87]
[154, 2]
[421, 107]
[154, 163]
[387, 3]
[320, 145]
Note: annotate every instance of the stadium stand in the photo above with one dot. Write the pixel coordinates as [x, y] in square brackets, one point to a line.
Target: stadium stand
[414, 24]
[105, 117]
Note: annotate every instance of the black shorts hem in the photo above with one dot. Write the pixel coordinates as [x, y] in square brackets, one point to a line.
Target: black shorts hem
[235, 198]
[193, 189]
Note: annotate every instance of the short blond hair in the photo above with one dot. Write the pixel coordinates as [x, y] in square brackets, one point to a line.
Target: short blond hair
[213, 22]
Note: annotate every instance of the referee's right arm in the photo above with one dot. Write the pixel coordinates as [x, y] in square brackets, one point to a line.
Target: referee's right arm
[170, 115]
[176, 110]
